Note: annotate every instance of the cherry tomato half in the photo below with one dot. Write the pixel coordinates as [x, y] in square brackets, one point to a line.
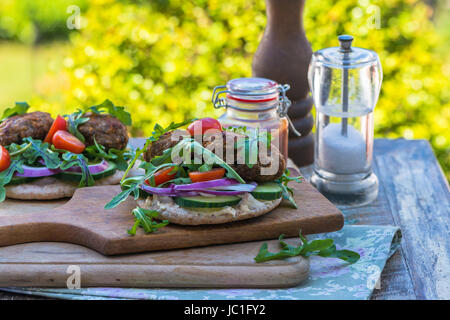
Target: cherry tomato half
[203, 125]
[213, 174]
[5, 159]
[66, 141]
[59, 124]
[163, 175]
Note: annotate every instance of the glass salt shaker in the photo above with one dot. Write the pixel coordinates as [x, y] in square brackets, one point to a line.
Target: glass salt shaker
[345, 82]
[255, 103]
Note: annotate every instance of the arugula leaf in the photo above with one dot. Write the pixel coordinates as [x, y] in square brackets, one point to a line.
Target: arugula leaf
[157, 133]
[39, 149]
[320, 247]
[73, 121]
[346, 255]
[288, 192]
[115, 111]
[17, 149]
[144, 218]
[131, 186]
[7, 175]
[158, 130]
[71, 160]
[19, 108]
[119, 157]
[187, 145]
[249, 146]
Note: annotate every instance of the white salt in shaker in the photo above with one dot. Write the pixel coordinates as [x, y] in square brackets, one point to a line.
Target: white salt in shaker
[345, 82]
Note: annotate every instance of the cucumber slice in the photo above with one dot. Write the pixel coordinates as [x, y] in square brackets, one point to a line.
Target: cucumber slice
[207, 202]
[76, 176]
[267, 191]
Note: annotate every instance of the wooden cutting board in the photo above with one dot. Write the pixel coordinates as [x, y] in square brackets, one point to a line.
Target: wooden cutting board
[53, 264]
[83, 220]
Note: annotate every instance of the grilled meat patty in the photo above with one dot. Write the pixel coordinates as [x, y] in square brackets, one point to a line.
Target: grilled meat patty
[269, 167]
[107, 130]
[34, 124]
[166, 141]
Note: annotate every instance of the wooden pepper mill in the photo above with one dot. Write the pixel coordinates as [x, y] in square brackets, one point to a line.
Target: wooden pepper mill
[283, 56]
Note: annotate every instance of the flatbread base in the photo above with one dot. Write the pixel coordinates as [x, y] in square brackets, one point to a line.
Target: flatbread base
[169, 210]
[50, 188]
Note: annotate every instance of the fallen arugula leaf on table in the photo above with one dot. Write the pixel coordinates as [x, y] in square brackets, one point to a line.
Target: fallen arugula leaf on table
[321, 247]
[144, 219]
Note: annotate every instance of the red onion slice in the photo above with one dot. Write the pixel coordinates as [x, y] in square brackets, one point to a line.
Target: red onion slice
[36, 172]
[93, 168]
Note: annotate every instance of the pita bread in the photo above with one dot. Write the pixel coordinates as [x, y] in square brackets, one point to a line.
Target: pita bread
[50, 188]
[248, 208]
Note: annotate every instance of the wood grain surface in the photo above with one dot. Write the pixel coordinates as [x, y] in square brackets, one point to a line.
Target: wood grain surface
[46, 264]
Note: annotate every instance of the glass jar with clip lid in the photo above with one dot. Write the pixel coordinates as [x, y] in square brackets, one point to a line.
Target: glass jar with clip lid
[256, 103]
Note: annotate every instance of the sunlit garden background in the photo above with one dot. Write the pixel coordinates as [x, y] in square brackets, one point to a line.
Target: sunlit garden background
[162, 58]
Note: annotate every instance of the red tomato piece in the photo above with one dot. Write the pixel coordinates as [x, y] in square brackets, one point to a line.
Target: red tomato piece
[66, 141]
[5, 159]
[213, 174]
[163, 175]
[203, 125]
[59, 124]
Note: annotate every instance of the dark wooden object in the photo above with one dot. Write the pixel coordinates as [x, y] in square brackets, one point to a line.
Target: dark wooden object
[284, 55]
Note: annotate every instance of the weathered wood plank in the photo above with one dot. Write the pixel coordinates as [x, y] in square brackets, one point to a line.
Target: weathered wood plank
[421, 208]
[419, 201]
[395, 281]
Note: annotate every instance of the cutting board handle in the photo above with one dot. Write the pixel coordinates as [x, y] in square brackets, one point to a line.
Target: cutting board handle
[29, 228]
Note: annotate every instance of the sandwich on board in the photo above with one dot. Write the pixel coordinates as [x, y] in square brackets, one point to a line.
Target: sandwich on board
[42, 158]
[205, 175]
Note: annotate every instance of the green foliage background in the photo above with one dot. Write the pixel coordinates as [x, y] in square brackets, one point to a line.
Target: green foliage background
[161, 58]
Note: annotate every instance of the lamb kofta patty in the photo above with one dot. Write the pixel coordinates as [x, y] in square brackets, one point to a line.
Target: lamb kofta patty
[34, 124]
[107, 130]
[166, 141]
[269, 167]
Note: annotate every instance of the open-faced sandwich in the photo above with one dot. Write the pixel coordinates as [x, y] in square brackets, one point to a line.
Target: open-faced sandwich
[205, 175]
[43, 158]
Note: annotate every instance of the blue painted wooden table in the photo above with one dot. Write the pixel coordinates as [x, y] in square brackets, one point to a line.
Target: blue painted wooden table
[415, 196]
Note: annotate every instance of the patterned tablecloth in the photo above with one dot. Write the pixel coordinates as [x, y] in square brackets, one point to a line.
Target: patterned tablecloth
[329, 278]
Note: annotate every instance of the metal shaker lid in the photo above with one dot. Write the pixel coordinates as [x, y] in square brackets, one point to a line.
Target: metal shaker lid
[345, 56]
